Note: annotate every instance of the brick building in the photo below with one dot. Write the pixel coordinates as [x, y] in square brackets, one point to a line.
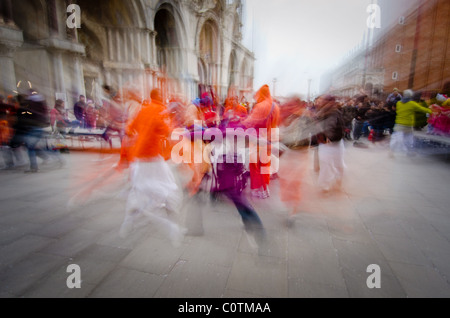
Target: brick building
[410, 51]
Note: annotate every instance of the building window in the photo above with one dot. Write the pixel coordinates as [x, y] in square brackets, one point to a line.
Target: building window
[401, 20]
[395, 76]
[398, 48]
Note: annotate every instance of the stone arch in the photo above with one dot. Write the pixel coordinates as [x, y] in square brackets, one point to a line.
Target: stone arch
[170, 45]
[93, 37]
[114, 13]
[167, 41]
[109, 34]
[209, 39]
[31, 17]
[208, 45]
[179, 21]
[368, 88]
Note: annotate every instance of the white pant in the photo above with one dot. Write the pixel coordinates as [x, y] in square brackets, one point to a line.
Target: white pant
[402, 139]
[154, 194]
[332, 165]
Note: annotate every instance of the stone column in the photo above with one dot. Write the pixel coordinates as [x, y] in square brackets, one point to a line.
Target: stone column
[139, 46]
[79, 76]
[118, 44]
[10, 40]
[153, 47]
[52, 17]
[58, 71]
[148, 47]
[125, 45]
[108, 76]
[110, 45]
[8, 78]
[131, 46]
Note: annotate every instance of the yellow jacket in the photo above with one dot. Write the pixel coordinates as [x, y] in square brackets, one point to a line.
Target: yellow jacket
[406, 111]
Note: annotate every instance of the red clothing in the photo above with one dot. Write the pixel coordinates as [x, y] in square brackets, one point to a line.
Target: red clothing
[6, 132]
[56, 117]
[257, 179]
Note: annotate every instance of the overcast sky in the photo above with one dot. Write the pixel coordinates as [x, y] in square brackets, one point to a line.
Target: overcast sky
[294, 40]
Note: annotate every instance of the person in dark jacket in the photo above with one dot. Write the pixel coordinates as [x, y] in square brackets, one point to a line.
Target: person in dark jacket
[394, 98]
[35, 117]
[348, 114]
[363, 106]
[377, 117]
[79, 110]
[331, 143]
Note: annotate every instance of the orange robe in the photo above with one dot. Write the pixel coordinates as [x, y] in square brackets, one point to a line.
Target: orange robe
[147, 135]
[265, 114]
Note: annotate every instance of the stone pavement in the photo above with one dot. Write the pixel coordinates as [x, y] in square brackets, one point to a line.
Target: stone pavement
[393, 213]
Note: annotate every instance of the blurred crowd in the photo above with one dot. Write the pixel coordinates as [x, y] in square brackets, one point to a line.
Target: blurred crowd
[279, 134]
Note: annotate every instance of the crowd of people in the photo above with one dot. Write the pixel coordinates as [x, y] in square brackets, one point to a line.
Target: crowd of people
[28, 122]
[278, 134]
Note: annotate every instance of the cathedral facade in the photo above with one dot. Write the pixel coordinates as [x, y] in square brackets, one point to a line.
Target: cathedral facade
[64, 48]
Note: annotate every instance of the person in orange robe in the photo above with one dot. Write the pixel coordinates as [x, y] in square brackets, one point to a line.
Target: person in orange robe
[265, 115]
[154, 192]
[234, 112]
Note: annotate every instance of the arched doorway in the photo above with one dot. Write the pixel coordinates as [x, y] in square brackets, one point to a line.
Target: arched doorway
[113, 35]
[369, 89]
[169, 55]
[208, 46]
[31, 18]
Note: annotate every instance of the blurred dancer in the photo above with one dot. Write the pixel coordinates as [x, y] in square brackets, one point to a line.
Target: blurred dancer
[198, 117]
[230, 174]
[403, 137]
[59, 120]
[115, 115]
[154, 192]
[293, 165]
[195, 121]
[234, 112]
[362, 107]
[331, 143]
[264, 116]
[6, 131]
[33, 118]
